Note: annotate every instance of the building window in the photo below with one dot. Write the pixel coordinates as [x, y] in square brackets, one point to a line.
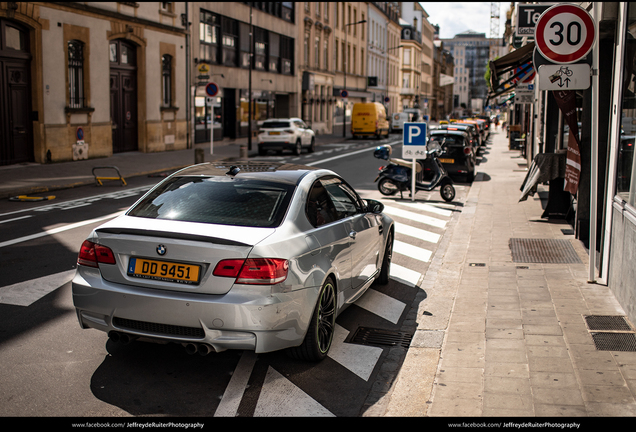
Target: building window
[326, 53]
[306, 50]
[274, 52]
[407, 57]
[230, 41]
[76, 74]
[166, 79]
[260, 49]
[209, 29]
[287, 55]
[326, 11]
[317, 52]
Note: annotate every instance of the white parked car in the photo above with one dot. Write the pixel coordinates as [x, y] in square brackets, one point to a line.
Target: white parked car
[285, 134]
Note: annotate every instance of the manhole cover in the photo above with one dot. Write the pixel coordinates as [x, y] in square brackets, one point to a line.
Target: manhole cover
[607, 322]
[374, 336]
[615, 341]
[548, 251]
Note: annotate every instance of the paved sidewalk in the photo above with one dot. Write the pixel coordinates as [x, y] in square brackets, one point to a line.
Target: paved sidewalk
[33, 178]
[515, 341]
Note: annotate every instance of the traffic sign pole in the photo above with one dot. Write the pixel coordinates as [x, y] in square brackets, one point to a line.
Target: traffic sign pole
[211, 89]
[414, 143]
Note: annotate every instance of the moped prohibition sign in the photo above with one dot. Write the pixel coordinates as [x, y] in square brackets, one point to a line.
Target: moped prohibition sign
[565, 33]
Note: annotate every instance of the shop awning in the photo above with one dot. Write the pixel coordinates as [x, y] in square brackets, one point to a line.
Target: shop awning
[520, 58]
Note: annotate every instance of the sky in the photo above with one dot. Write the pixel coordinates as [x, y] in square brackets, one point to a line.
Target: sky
[454, 18]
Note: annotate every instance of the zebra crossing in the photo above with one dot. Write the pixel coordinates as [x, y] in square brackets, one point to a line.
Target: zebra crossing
[418, 229]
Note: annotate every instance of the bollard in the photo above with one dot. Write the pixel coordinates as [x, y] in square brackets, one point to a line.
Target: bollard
[198, 156]
[243, 152]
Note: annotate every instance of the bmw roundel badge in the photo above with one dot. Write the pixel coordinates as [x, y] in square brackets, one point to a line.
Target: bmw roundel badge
[161, 249]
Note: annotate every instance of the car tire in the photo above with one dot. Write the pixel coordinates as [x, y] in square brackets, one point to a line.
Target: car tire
[298, 149]
[312, 146]
[317, 342]
[385, 270]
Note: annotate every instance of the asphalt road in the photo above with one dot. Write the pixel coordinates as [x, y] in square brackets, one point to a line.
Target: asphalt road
[51, 367]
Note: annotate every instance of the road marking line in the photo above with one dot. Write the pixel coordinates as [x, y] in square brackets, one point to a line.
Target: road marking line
[415, 216]
[281, 398]
[59, 229]
[15, 219]
[28, 292]
[404, 275]
[382, 305]
[427, 208]
[411, 251]
[359, 359]
[339, 156]
[236, 388]
[417, 233]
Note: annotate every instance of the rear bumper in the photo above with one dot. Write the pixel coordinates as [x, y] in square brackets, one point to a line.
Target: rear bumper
[246, 318]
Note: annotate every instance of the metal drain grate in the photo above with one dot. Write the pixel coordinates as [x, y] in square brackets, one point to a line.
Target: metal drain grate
[374, 336]
[607, 322]
[615, 341]
[549, 251]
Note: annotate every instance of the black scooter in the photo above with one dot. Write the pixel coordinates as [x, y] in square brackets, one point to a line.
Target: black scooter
[396, 176]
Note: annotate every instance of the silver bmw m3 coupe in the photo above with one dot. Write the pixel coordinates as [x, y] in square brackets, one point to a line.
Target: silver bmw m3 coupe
[253, 256]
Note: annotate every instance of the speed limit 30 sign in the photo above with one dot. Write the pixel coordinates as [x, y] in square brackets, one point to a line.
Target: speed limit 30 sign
[565, 33]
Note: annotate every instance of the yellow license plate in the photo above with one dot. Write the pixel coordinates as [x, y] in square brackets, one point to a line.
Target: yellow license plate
[163, 270]
[447, 160]
[274, 133]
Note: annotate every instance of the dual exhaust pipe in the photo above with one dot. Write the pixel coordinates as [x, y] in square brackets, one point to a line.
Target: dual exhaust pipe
[191, 348]
[202, 349]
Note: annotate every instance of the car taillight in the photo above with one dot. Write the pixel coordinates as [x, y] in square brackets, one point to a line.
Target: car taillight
[466, 150]
[91, 254]
[253, 271]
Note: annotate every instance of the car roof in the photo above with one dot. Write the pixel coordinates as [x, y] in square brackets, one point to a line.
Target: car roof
[254, 170]
[447, 132]
[282, 119]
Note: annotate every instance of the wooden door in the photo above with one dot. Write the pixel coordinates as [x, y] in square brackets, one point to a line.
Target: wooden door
[16, 131]
[123, 96]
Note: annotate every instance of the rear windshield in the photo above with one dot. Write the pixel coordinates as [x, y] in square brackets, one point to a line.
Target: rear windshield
[217, 200]
[449, 140]
[275, 124]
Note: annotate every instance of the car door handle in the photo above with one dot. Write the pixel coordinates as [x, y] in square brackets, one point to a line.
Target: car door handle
[380, 229]
[352, 234]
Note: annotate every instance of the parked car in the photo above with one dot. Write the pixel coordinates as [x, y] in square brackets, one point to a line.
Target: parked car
[369, 118]
[285, 134]
[459, 159]
[258, 256]
[398, 120]
[470, 129]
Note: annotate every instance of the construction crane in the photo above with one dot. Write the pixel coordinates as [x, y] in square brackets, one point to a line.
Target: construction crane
[494, 19]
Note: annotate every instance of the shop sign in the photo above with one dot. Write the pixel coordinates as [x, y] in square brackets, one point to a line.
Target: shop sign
[527, 17]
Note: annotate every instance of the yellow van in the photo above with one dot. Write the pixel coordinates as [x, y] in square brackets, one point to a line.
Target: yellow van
[369, 119]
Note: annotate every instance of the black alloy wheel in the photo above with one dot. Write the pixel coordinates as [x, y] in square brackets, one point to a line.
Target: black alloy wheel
[385, 271]
[317, 342]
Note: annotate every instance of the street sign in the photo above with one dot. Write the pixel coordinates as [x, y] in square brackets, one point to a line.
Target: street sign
[527, 17]
[524, 94]
[565, 33]
[564, 77]
[528, 73]
[212, 89]
[386, 99]
[344, 93]
[203, 69]
[414, 138]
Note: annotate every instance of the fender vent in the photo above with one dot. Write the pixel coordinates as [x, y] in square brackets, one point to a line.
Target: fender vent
[381, 337]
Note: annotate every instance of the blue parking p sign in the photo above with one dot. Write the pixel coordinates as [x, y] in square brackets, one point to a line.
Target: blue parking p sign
[414, 140]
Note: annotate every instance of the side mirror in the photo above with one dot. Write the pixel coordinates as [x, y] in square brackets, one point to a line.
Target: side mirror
[374, 206]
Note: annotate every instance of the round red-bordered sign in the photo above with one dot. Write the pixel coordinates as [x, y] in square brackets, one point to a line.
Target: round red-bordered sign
[565, 33]
[211, 89]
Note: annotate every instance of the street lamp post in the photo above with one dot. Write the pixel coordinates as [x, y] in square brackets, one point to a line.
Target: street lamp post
[346, 56]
